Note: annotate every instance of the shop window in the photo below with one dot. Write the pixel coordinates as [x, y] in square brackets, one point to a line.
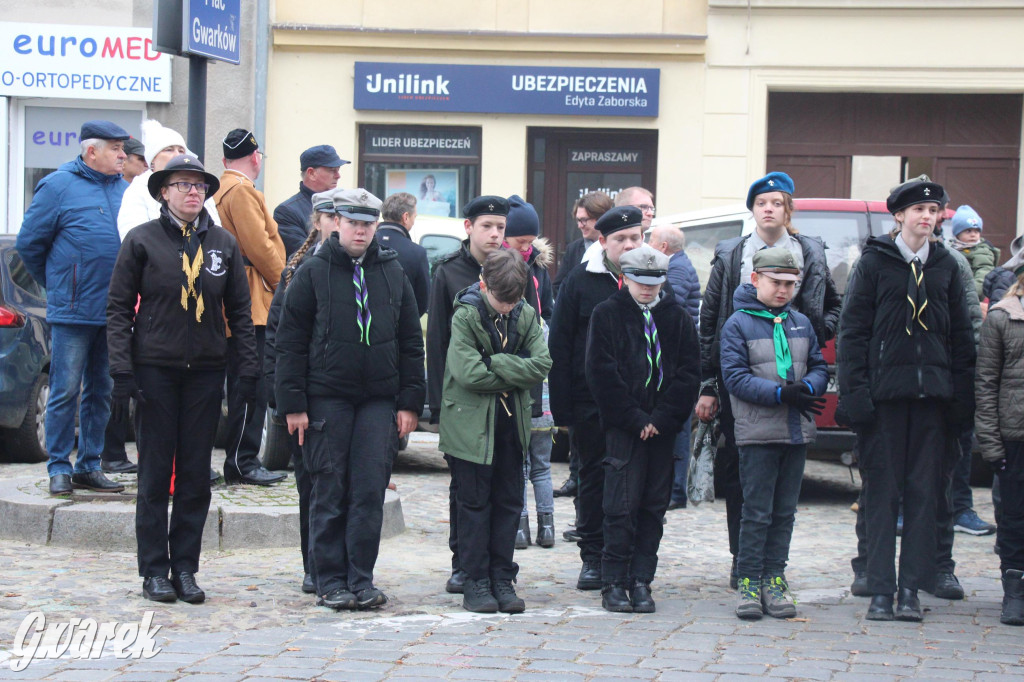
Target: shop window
[439, 165]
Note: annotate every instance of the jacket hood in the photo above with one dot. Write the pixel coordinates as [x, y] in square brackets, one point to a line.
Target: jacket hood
[543, 255]
[471, 295]
[594, 258]
[1011, 305]
[746, 297]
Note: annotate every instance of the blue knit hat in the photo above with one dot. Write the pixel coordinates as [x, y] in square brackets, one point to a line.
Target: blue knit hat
[522, 218]
[776, 181]
[966, 218]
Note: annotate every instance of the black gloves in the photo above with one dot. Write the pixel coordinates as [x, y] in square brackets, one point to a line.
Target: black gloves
[247, 391]
[799, 396]
[998, 466]
[120, 396]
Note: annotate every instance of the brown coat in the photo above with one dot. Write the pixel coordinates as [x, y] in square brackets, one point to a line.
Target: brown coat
[999, 378]
[244, 213]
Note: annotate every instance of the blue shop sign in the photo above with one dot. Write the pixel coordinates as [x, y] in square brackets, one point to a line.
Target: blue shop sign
[559, 90]
[211, 29]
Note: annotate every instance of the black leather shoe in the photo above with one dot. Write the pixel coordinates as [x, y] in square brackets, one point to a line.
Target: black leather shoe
[571, 534]
[615, 599]
[677, 505]
[185, 585]
[859, 587]
[568, 488]
[640, 598]
[95, 480]
[590, 577]
[158, 588]
[456, 582]
[214, 476]
[947, 587]
[307, 584]
[121, 466]
[258, 476]
[338, 599]
[880, 607]
[60, 484]
[908, 606]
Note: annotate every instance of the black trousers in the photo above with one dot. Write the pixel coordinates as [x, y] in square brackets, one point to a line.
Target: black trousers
[589, 440]
[727, 469]
[114, 437]
[453, 515]
[901, 456]
[349, 451]
[1010, 531]
[304, 485]
[175, 427]
[245, 431]
[637, 490]
[489, 501]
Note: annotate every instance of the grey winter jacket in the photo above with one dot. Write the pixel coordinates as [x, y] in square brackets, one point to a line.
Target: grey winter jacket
[973, 305]
[999, 379]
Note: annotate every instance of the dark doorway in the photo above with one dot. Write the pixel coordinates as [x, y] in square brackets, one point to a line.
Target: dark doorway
[564, 164]
[968, 143]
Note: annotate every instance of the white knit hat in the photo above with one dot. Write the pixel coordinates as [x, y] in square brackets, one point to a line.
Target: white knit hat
[158, 138]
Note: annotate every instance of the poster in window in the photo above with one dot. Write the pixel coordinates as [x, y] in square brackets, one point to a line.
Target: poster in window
[436, 189]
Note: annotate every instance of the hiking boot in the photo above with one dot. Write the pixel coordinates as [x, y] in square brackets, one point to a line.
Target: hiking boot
[477, 597]
[338, 599]
[523, 534]
[370, 598]
[749, 607]
[615, 599]
[590, 576]
[545, 529]
[640, 597]
[970, 523]
[859, 588]
[776, 598]
[508, 600]
[1013, 598]
[947, 587]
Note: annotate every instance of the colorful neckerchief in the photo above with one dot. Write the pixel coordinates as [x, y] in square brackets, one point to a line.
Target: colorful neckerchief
[191, 264]
[653, 349]
[917, 297]
[363, 317]
[783, 360]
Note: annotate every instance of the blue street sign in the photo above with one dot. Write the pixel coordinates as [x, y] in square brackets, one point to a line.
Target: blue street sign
[571, 91]
[211, 29]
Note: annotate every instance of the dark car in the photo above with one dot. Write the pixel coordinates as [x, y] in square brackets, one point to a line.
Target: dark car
[24, 360]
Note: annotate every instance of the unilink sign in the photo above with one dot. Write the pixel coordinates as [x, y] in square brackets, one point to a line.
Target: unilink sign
[567, 91]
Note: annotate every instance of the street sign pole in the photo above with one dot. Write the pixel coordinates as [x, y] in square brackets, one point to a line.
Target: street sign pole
[197, 106]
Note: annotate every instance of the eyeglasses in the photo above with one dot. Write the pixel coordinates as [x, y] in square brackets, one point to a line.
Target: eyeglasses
[647, 208]
[186, 187]
[263, 157]
[584, 221]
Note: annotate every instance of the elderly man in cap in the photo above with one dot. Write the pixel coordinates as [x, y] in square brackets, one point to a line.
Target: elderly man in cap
[69, 243]
[572, 402]
[319, 166]
[244, 213]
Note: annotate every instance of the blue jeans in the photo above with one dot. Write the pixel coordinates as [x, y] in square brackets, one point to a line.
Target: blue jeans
[681, 452]
[962, 497]
[78, 363]
[538, 468]
[771, 477]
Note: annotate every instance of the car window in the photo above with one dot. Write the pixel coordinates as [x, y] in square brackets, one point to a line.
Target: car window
[21, 277]
[438, 246]
[843, 234]
[882, 223]
[701, 241]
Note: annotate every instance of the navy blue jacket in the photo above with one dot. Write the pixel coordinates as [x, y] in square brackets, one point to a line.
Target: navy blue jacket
[411, 256]
[685, 284]
[292, 217]
[69, 241]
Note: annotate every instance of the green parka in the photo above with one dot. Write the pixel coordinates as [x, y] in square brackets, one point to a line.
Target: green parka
[475, 374]
[983, 258]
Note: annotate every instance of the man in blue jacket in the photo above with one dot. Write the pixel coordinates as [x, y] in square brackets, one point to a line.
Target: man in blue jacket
[69, 243]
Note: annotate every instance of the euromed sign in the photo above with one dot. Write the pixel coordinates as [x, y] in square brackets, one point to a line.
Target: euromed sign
[82, 62]
[567, 91]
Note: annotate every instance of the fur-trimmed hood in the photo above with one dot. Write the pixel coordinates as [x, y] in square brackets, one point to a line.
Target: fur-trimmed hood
[543, 253]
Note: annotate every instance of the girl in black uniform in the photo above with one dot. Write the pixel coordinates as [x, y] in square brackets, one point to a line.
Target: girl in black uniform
[188, 278]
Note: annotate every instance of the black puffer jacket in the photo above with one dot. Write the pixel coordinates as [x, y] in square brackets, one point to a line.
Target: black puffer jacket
[878, 360]
[162, 333]
[273, 321]
[1000, 379]
[817, 299]
[617, 366]
[319, 351]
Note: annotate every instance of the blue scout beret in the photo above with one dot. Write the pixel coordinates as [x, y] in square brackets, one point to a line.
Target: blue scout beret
[776, 181]
[320, 155]
[485, 205]
[619, 218]
[102, 130]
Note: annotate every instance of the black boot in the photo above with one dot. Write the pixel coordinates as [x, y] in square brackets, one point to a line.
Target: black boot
[908, 606]
[1013, 598]
[880, 607]
[568, 488]
[859, 588]
[477, 596]
[615, 599]
[523, 534]
[545, 529]
[640, 597]
[590, 576]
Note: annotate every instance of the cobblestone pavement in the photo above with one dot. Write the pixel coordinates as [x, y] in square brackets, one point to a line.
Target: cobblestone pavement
[256, 624]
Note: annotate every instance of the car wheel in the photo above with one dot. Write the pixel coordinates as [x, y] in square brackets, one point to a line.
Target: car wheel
[275, 450]
[27, 443]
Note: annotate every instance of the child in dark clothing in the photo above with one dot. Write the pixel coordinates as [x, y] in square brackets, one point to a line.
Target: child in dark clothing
[774, 371]
[496, 355]
[643, 368]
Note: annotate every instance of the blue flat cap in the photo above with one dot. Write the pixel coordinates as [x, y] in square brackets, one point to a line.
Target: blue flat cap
[776, 181]
[619, 218]
[102, 130]
[321, 155]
